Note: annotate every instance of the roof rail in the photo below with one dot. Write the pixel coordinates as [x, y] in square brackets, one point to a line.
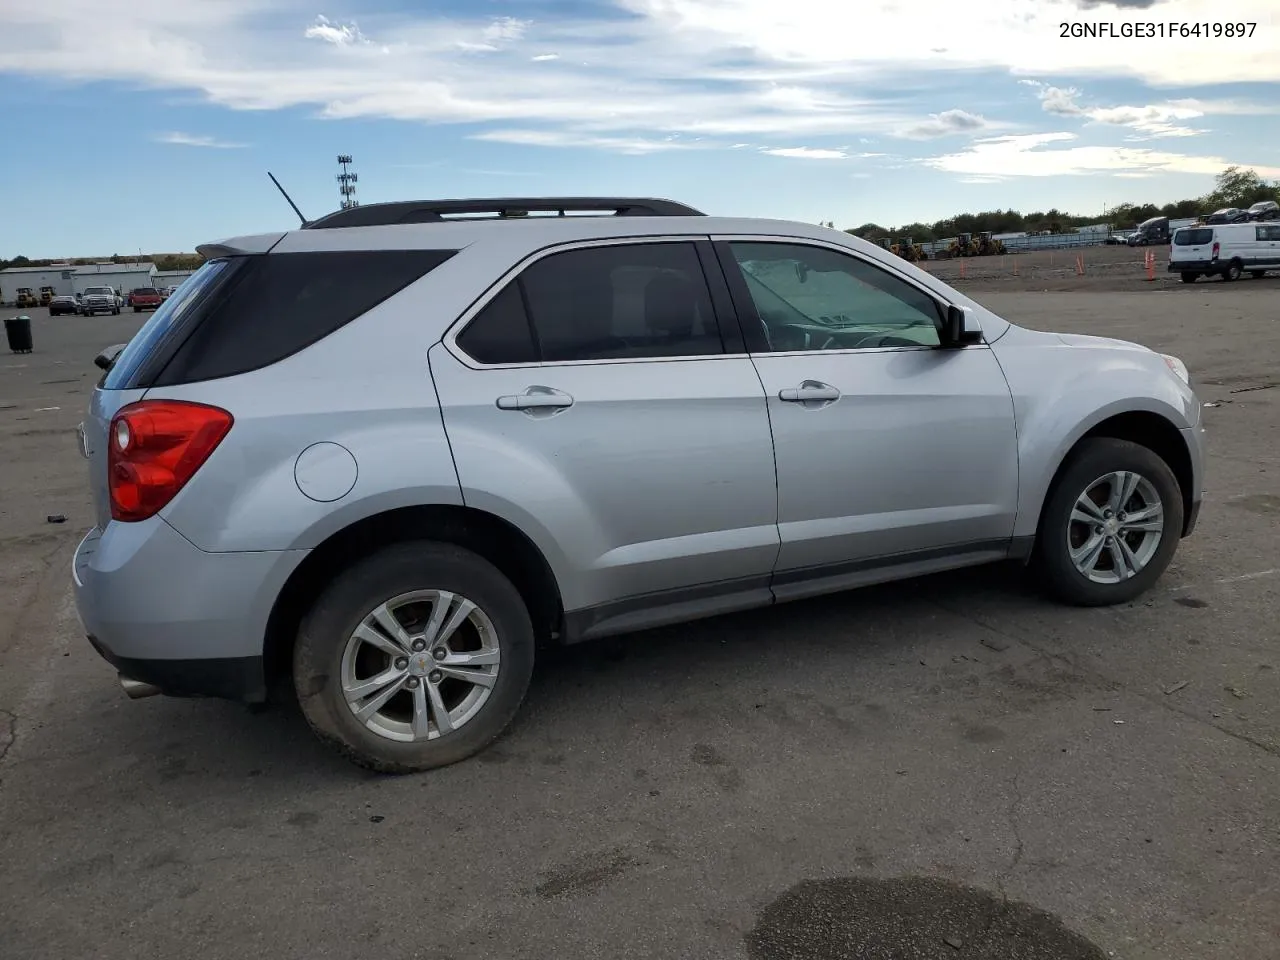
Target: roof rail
[436, 211]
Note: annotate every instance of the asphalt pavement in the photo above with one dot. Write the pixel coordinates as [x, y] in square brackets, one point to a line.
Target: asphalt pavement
[947, 767]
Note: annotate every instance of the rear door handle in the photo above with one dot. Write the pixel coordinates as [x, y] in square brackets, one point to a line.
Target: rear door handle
[810, 391]
[536, 398]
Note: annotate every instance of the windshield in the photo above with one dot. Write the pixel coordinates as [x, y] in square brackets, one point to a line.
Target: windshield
[145, 341]
[98, 290]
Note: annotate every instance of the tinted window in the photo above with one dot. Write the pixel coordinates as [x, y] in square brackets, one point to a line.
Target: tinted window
[146, 342]
[277, 304]
[628, 300]
[814, 298]
[1192, 238]
[1268, 233]
[500, 333]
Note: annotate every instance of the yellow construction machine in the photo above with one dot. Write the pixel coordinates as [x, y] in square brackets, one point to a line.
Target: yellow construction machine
[46, 294]
[908, 249]
[963, 246]
[26, 298]
[988, 246]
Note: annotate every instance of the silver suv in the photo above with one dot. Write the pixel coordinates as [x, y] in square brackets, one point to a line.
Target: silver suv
[389, 453]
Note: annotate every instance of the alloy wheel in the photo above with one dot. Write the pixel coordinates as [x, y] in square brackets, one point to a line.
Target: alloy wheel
[1116, 527]
[421, 665]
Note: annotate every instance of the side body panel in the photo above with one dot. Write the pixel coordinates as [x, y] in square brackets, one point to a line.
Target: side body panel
[919, 452]
[658, 477]
[1063, 386]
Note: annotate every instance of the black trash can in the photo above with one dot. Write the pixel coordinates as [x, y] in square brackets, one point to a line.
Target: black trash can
[18, 330]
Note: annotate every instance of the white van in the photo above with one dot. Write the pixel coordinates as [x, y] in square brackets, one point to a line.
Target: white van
[1226, 250]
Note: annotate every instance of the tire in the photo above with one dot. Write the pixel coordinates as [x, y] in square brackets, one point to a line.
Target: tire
[1188, 277]
[137, 309]
[321, 659]
[1092, 460]
[1257, 274]
[1232, 273]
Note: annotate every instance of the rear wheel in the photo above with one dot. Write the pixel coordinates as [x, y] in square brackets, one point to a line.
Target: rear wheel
[414, 658]
[1232, 272]
[1188, 277]
[1111, 524]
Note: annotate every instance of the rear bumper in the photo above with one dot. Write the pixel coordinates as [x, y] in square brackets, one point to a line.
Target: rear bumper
[1195, 266]
[164, 612]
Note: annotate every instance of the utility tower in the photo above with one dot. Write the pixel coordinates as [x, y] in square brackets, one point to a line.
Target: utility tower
[347, 182]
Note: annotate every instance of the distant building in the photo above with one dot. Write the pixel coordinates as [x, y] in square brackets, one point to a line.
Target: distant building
[170, 278]
[122, 276]
[57, 275]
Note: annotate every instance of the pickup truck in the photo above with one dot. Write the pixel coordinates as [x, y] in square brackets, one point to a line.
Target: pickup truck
[99, 300]
[145, 298]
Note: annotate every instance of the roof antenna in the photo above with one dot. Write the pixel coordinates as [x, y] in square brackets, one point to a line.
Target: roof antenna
[287, 197]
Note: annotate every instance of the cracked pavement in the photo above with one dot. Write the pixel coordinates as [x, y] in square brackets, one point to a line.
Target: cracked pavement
[711, 790]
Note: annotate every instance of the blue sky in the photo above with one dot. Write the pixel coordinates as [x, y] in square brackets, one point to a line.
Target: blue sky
[150, 124]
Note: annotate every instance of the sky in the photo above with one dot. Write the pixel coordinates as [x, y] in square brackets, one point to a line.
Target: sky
[150, 125]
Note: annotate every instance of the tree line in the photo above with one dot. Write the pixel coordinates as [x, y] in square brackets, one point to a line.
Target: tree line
[163, 261]
[1234, 187]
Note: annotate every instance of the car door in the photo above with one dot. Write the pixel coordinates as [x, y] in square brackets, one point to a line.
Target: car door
[592, 401]
[891, 450]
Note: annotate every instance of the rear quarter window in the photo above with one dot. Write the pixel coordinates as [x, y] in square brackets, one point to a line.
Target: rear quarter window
[278, 304]
[1192, 238]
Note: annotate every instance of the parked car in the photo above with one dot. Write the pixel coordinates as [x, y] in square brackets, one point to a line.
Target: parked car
[1225, 250]
[1265, 210]
[144, 298]
[386, 461]
[1227, 215]
[95, 300]
[63, 304]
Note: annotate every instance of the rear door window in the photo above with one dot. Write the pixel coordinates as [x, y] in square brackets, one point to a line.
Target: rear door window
[621, 301]
[1192, 238]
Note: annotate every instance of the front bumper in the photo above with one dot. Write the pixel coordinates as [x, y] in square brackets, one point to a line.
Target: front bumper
[164, 612]
[1194, 438]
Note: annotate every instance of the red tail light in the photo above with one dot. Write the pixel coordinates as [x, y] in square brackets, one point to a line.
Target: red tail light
[153, 448]
[1216, 247]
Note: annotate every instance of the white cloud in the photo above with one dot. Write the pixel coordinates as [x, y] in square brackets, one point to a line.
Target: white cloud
[806, 153]
[339, 34]
[945, 124]
[1151, 121]
[1033, 155]
[560, 138]
[741, 70]
[177, 138]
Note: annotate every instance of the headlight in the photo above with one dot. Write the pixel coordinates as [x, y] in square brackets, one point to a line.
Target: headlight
[1178, 367]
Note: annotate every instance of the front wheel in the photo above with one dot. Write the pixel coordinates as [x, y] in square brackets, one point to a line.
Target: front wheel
[1111, 524]
[1257, 274]
[1188, 277]
[416, 657]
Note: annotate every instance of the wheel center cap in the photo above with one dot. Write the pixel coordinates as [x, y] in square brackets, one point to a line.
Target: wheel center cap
[420, 664]
[1112, 526]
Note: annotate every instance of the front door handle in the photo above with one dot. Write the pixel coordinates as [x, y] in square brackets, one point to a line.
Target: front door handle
[536, 399]
[811, 391]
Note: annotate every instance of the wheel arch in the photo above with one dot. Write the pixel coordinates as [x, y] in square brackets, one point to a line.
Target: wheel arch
[497, 540]
[1149, 429]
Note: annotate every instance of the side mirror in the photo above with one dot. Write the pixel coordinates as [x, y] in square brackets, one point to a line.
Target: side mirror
[107, 357]
[962, 328]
